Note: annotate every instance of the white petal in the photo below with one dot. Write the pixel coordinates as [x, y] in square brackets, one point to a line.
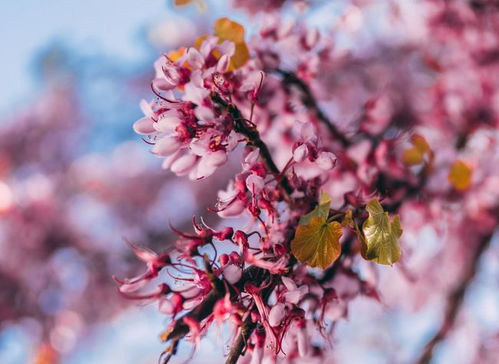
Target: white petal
[289, 283]
[145, 107]
[144, 126]
[227, 48]
[277, 314]
[168, 161]
[303, 342]
[232, 273]
[165, 84]
[233, 210]
[183, 164]
[165, 306]
[166, 146]
[168, 122]
[195, 58]
[300, 153]
[208, 163]
[223, 63]
[254, 183]
[326, 160]
[195, 94]
[252, 157]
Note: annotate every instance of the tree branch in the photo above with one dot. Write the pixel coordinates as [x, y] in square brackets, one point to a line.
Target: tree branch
[205, 308]
[241, 341]
[309, 101]
[253, 274]
[250, 132]
[246, 330]
[455, 300]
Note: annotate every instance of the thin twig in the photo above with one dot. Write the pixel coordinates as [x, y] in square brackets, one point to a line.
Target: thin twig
[309, 101]
[246, 330]
[254, 139]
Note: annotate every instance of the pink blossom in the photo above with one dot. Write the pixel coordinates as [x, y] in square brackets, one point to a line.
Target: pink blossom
[232, 273]
[302, 117]
[277, 314]
[294, 293]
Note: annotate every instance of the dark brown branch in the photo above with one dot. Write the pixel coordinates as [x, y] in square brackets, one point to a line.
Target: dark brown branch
[455, 300]
[250, 132]
[202, 311]
[205, 308]
[241, 341]
[309, 101]
[252, 274]
[246, 330]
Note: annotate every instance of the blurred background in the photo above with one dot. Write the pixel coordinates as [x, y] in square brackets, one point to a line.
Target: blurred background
[76, 182]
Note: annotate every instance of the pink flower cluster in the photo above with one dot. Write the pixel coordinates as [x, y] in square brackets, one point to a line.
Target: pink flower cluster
[279, 113]
[188, 130]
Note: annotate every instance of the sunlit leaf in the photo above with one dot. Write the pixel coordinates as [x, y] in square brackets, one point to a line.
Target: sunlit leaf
[412, 156]
[460, 175]
[420, 142]
[317, 241]
[348, 219]
[176, 54]
[240, 56]
[227, 29]
[46, 354]
[321, 210]
[415, 154]
[380, 235]
[199, 41]
[200, 3]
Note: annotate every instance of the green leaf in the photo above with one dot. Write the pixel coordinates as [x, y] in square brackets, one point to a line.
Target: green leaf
[380, 235]
[321, 210]
[317, 243]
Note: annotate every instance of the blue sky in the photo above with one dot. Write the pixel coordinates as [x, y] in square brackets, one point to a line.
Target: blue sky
[108, 28]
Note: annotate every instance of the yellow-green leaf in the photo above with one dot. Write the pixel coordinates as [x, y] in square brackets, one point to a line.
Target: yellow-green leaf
[348, 219]
[415, 154]
[420, 143]
[317, 243]
[380, 235]
[176, 54]
[227, 29]
[322, 209]
[240, 57]
[460, 175]
[200, 3]
[412, 156]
